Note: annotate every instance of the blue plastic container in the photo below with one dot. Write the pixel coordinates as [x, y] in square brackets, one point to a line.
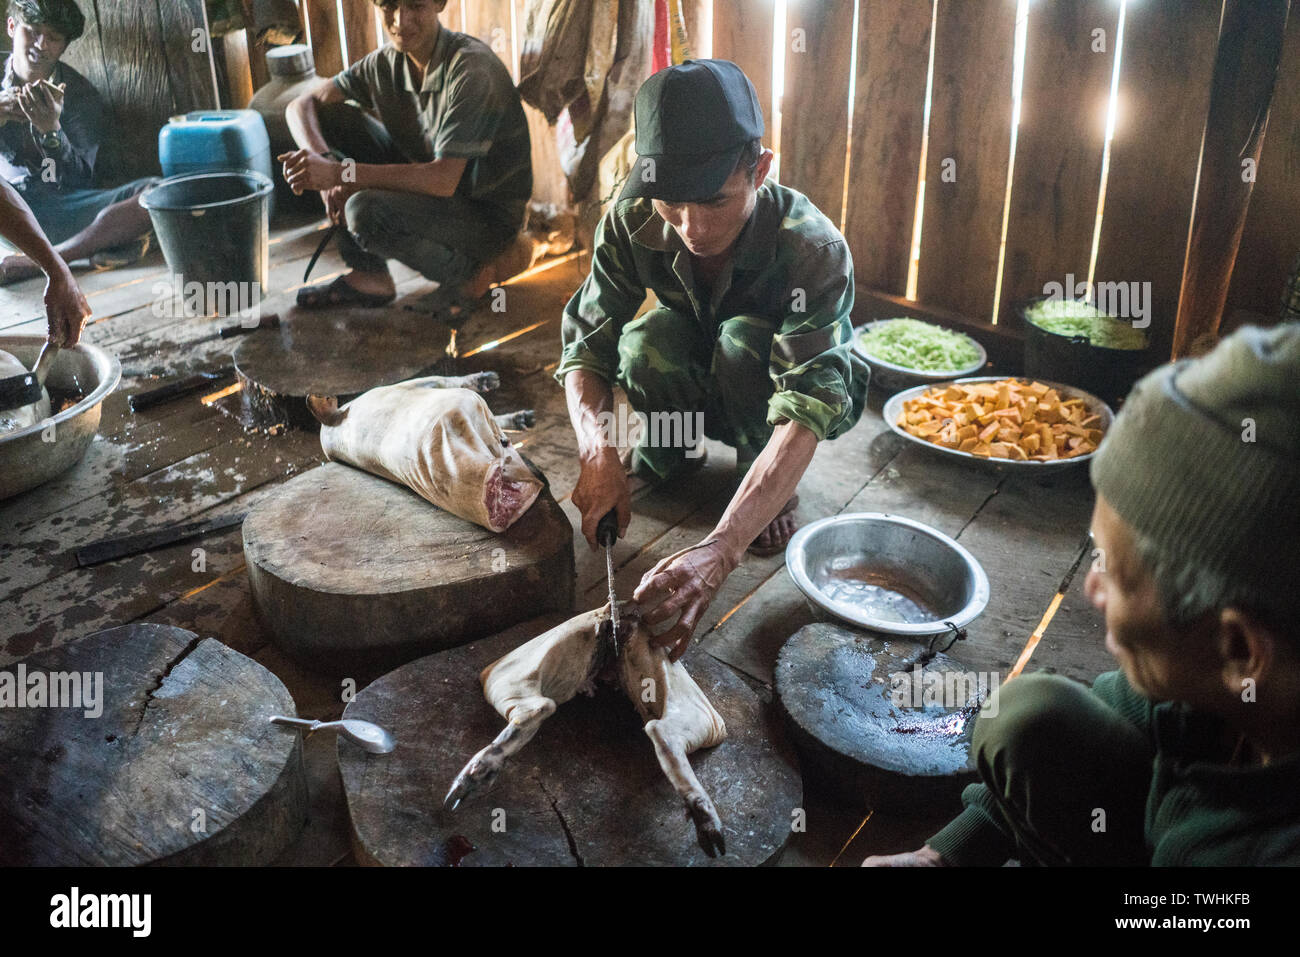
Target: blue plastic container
[210, 141]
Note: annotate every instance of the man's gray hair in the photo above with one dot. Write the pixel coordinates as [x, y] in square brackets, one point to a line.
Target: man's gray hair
[1188, 591]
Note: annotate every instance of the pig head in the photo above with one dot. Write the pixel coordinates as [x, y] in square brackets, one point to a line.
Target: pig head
[442, 443]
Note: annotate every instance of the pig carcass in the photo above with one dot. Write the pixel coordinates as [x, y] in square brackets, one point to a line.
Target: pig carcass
[20, 418]
[528, 684]
[437, 437]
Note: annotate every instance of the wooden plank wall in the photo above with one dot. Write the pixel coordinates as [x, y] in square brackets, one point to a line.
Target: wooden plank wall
[969, 151]
[1271, 240]
[1164, 93]
[888, 128]
[139, 56]
[814, 107]
[861, 162]
[1059, 146]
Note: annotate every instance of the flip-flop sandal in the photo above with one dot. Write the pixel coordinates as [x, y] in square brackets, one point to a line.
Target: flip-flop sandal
[339, 293]
[763, 551]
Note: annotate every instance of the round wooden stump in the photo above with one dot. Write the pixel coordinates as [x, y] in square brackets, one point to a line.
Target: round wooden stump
[586, 790]
[834, 685]
[351, 572]
[332, 352]
[181, 767]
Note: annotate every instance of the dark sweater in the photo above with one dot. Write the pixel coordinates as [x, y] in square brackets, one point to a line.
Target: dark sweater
[1200, 811]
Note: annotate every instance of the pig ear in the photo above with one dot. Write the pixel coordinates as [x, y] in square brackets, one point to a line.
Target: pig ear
[326, 409]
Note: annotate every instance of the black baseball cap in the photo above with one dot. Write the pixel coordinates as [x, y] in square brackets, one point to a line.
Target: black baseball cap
[693, 121]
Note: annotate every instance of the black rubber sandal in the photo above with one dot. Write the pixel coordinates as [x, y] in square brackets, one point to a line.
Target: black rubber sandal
[339, 293]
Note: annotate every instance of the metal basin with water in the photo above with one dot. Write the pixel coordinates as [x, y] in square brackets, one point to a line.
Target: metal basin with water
[27, 458]
[887, 573]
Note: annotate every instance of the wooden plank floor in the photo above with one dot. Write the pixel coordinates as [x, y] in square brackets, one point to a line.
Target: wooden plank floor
[187, 460]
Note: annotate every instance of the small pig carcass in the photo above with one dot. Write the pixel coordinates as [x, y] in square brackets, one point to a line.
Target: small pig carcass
[437, 437]
[528, 684]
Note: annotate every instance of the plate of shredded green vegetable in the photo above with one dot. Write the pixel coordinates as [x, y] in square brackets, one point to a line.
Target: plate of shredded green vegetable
[1072, 318]
[906, 352]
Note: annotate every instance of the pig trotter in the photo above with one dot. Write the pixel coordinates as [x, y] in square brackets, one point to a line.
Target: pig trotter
[481, 771]
[516, 421]
[708, 827]
[526, 716]
[482, 381]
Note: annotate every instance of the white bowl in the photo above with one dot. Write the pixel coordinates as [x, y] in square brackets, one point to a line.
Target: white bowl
[891, 377]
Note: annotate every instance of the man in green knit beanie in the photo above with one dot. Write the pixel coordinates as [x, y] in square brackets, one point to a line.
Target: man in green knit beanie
[1190, 753]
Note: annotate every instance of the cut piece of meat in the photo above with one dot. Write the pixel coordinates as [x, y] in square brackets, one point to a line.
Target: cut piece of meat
[442, 443]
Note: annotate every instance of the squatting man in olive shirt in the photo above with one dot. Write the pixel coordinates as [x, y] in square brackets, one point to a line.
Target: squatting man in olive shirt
[751, 332]
[440, 181]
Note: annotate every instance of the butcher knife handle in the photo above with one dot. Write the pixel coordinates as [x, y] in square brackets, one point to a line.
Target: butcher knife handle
[607, 529]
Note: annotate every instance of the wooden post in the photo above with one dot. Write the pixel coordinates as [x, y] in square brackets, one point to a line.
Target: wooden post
[1245, 68]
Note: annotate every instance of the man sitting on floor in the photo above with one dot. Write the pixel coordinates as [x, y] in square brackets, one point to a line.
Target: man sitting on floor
[440, 182]
[51, 129]
[1190, 753]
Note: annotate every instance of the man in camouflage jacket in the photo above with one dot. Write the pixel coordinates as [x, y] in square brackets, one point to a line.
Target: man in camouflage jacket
[751, 334]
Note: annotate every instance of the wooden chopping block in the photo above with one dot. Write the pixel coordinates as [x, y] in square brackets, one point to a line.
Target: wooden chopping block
[587, 789]
[834, 686]
[333, 352]
[352, 572]
[181, 767]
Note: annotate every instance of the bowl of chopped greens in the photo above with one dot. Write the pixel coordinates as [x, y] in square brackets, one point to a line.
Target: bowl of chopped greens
[1074, 342]
[906, 352]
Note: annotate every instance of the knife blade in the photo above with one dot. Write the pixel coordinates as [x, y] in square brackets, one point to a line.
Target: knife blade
[606, 536]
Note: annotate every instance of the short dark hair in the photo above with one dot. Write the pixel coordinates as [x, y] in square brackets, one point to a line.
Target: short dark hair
[749, 157]
[63, 15]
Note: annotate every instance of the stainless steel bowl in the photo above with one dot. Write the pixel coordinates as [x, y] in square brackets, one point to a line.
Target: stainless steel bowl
[894, 407]
[891, 377]
[887, 573]
[31, 456]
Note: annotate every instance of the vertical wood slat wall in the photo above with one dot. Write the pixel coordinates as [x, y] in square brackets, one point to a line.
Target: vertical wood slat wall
[869, 179]
[140, 56]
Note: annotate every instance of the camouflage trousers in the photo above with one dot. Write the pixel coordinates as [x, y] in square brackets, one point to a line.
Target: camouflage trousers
[668, 364]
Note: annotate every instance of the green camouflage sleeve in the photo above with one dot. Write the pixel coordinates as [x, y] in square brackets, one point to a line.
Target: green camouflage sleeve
[606, 301]
[820, 382]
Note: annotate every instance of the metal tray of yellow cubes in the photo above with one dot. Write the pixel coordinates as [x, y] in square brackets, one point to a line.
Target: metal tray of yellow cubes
[894, 407]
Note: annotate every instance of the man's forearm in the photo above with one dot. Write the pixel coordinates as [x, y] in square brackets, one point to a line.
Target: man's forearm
[19, 226]
[589, 397]
[304, 124]
[437, 178]
[770, 483]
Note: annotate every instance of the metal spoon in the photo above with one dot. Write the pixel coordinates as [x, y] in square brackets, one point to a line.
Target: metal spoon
[366, 735]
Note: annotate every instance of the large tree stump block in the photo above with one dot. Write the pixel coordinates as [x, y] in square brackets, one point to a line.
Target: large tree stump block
[352, 572]
[835, 687]
[181, 767]
[586, 790]
[334, 352]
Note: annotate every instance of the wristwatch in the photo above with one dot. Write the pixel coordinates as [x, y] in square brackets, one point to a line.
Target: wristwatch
[50, 141]
[334, 154]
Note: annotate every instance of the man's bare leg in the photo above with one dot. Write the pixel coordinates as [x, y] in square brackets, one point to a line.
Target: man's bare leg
[115, 225]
